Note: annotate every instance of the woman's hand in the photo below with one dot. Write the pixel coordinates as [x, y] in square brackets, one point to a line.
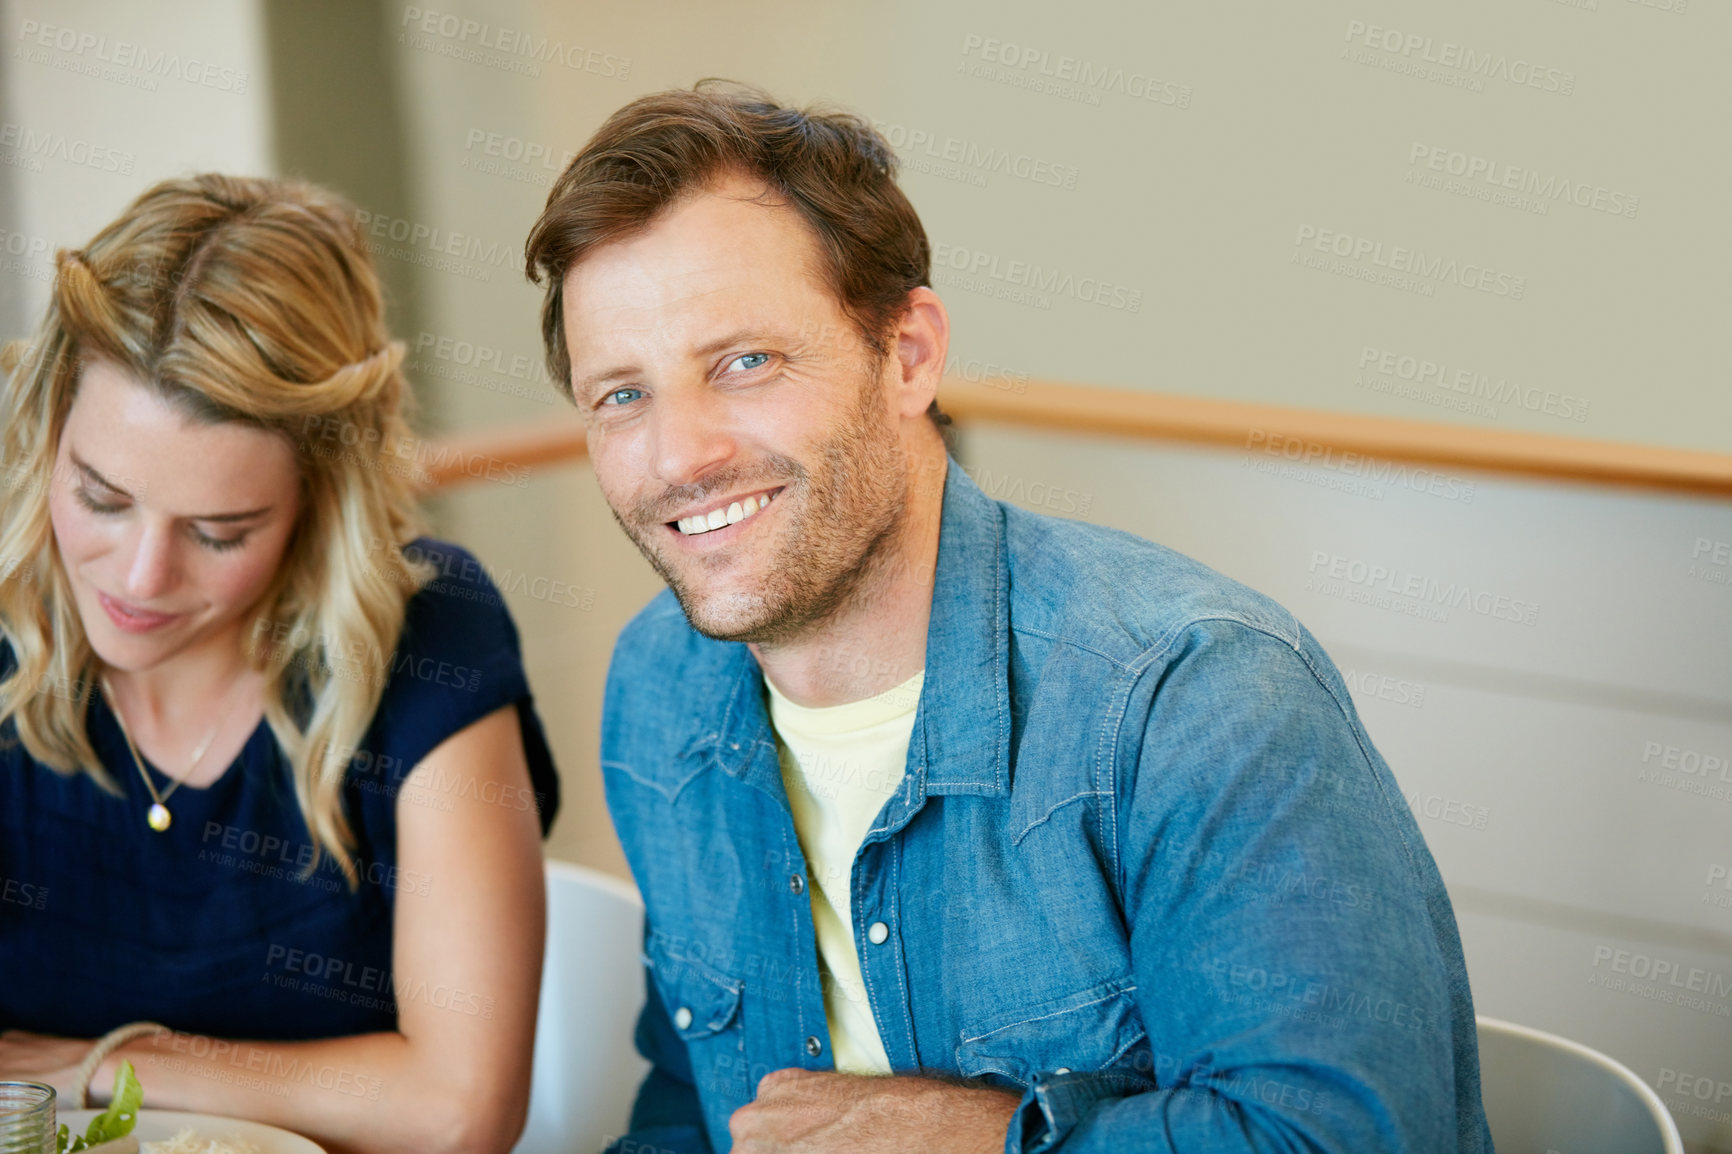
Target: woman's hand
[43, 1058]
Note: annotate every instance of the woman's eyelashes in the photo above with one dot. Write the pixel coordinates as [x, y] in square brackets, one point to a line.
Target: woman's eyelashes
[89, 501]
[215, 544]
[219, 544]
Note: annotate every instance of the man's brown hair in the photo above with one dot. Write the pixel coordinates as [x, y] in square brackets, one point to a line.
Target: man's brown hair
[831, 167]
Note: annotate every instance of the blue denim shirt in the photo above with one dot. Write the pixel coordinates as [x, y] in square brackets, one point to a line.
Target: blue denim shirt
[1145, 868]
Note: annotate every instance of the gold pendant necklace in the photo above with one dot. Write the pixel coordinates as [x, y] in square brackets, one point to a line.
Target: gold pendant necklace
[157, 817]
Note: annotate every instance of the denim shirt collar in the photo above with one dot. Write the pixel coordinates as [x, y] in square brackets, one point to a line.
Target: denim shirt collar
[964, 720]
[961, 739]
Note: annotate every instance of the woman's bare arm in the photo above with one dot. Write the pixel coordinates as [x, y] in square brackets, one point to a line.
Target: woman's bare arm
[467, 954]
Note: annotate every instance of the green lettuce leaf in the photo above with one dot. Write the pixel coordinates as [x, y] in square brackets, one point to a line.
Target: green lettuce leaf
[122, 1114]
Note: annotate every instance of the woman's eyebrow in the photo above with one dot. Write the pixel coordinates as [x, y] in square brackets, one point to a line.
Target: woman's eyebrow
[225, 517]
[92, 475]
[245, 515]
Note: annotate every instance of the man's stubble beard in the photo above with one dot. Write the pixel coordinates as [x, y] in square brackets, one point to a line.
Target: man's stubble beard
[843, 523]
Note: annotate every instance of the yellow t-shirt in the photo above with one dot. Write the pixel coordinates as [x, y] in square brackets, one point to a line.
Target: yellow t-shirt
[840, 764]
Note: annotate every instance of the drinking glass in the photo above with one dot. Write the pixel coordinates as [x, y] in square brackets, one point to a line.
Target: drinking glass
[26, 1118]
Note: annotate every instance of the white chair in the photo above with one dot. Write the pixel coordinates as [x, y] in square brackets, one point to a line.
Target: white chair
[586, 1069]
[1546, 1093]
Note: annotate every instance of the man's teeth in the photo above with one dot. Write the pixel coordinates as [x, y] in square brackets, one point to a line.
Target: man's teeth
[716, 518]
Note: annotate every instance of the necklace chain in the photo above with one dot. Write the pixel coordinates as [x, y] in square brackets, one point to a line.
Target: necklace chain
[159, 817]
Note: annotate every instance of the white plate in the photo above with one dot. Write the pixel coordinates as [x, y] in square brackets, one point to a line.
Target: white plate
[157, 1125]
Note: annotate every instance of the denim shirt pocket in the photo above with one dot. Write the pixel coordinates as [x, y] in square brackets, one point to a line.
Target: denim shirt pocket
[1089, 1031]
[704, 1006]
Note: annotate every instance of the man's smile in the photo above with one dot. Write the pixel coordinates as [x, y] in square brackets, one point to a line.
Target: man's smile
[728, 511]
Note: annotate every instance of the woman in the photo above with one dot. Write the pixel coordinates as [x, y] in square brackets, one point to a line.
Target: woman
[270, 774]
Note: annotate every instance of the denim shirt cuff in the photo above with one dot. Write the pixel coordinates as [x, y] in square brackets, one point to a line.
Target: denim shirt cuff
[1055, 1103]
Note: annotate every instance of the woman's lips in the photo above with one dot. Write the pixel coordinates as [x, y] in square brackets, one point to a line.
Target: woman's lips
[131, 619]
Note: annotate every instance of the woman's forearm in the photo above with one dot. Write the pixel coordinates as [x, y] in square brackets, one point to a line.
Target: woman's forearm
[365, 1094]
[466, 967]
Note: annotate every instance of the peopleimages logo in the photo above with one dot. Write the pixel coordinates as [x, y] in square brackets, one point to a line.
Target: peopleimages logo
[1360, 580]
[1073, 76]
[520, 366]
[988, 269]
[482, 366]
[1686, 770]
[954, 157]
[1410, 261]
[525, 50]
[1384, 687]
[1722, 875]
[1371, 470]
[1471, 383]
[87, 47]
[1702, 1095]
[513, 158]
[1498, 175]
[498, 254]
[23, 893]
[1416, 48]
[28, 142]
[1662, 979]
[1691, 762]
[1449, 810]
[25, 255]
[1711, 561]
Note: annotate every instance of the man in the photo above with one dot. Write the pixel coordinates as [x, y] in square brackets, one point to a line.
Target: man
[958, 828]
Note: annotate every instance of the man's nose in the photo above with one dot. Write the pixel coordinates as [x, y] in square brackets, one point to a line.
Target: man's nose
[691, 436]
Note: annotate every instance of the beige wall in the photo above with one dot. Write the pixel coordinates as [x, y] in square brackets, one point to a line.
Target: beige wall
[101, 100]
[1262, 132]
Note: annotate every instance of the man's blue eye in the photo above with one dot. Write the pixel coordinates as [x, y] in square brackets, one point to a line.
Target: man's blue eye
[628, 395]
[759, 359]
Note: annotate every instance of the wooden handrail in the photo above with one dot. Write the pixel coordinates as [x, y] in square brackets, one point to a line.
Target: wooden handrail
[1275, 428]
[1301, 436]
[473, 456]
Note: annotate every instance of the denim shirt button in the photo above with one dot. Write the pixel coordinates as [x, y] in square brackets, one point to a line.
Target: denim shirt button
[877, 932]
[796, 884]
[1061, 1070]
[683, 1018]
[813, 1046]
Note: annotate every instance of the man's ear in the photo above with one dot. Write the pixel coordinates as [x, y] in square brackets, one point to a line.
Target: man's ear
[922, 341]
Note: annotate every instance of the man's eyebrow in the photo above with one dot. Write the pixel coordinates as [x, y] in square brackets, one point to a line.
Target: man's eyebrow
[588, 384]
[738, 336]
[89, 472]
[753, 333]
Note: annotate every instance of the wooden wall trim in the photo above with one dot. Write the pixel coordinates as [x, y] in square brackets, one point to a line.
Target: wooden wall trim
[1265, 428]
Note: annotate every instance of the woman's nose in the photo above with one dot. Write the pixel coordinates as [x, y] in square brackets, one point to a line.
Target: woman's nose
[150, 571]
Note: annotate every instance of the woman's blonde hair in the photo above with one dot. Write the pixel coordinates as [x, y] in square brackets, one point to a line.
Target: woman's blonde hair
[234, 300]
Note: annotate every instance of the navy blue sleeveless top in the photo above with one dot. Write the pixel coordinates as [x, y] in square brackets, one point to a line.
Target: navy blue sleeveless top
[212, 926]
